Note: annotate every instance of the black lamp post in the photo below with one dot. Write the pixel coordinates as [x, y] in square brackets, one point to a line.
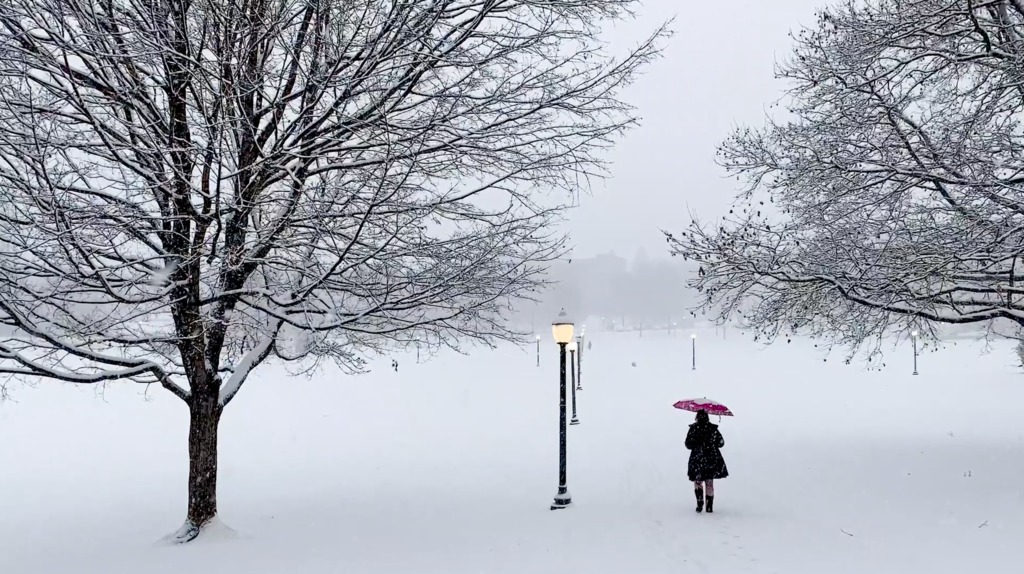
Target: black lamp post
[913, 337]
[562, 330]
[573, 347]
[579, 359]
[693, 350]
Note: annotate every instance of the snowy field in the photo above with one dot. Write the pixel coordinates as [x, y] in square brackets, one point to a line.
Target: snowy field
[449, 467]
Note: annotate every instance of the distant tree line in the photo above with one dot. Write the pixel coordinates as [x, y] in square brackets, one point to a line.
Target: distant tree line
[615, 292]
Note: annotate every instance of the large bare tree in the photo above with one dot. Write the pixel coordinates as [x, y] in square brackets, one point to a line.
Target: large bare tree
[890, 192]
[191, 188]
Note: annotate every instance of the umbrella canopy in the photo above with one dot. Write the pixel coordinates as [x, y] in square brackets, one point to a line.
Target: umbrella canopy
[712, 407]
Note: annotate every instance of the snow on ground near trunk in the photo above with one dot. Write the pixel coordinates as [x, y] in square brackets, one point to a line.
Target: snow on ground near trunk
[449, 467]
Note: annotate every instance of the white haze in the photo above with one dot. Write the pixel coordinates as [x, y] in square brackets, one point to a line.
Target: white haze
[717, 73]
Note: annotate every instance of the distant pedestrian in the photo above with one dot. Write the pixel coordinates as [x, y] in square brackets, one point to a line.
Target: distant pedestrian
[704, 441]
[394, 365]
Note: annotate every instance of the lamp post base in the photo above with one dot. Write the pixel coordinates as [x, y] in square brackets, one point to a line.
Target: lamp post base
[574, 422]
[561, 501]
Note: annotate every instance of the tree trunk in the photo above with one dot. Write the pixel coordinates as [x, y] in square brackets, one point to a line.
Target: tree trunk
[202, 469]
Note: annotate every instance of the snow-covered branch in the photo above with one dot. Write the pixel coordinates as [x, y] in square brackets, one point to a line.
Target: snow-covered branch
[892, 196]
[200, 186]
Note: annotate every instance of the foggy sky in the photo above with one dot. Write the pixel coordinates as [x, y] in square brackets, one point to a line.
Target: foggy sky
[717, 72]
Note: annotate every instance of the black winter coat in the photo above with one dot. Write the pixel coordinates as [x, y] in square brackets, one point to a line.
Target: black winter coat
[706, 462]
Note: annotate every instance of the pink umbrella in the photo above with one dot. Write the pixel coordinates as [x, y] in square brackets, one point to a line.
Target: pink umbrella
[712, 407]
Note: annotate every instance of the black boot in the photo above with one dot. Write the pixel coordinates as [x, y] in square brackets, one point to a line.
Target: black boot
[711, 504]
[700, 499]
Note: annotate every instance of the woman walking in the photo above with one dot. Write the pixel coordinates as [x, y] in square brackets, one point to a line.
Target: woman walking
[704, 441]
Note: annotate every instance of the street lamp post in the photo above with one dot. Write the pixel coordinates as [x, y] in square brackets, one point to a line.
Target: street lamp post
[538, 350]
[913, 337]
[579, 359]
[693, 350]
[573, 347]
[562, 330]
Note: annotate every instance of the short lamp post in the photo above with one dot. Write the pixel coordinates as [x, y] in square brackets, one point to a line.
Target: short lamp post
[693, 351]
[913, 337]
[573, 347]
[562, 330]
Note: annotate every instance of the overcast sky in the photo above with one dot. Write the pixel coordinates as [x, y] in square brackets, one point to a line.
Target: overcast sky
[716, 73]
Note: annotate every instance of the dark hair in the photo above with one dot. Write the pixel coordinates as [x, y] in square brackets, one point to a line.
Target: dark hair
[702, 416]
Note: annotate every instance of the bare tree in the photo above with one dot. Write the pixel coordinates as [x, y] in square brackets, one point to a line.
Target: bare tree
[193, 187]
[890, 195]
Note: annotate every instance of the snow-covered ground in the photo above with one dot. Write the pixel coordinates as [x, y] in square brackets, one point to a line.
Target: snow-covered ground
[449, 467]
